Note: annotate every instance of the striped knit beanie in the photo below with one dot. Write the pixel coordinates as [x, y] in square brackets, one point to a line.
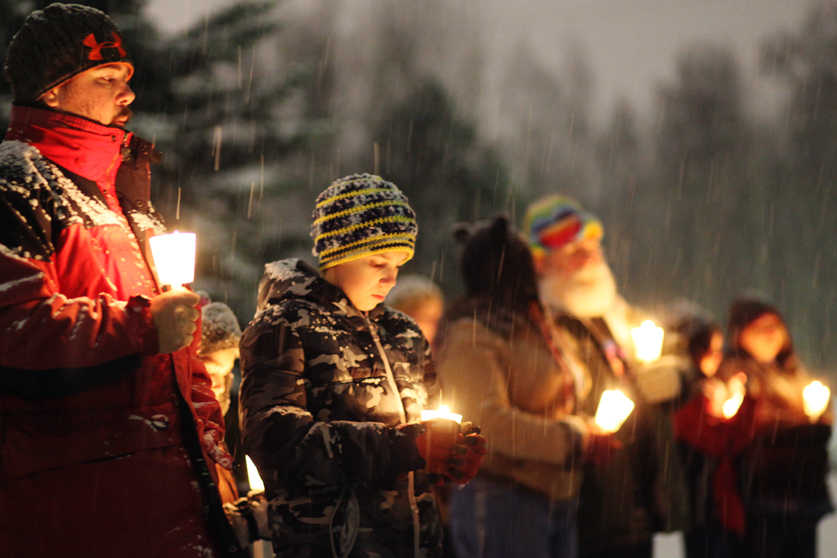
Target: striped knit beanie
[553, 221]
[359, 215]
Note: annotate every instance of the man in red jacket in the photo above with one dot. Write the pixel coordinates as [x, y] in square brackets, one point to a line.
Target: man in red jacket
[109, 430]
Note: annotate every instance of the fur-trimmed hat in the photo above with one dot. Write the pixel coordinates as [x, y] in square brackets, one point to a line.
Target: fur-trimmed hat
[359, 215]
[55, 44]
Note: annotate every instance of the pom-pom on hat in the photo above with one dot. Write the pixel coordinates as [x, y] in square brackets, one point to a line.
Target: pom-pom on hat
[553, 221]
[55, 44]
[219, 328]
[359, 215]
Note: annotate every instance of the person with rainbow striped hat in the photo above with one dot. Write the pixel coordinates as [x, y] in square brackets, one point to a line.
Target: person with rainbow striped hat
[333, 385]
[628, 497]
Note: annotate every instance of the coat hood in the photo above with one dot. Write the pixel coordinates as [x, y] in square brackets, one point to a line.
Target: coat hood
[294, 278]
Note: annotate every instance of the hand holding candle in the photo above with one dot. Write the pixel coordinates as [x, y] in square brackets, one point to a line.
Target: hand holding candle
[815, 399]
[441, 431]
[614, 408]
[648, 341]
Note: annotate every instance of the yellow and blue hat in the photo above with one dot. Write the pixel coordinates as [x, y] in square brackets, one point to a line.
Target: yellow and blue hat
[554, 221]
[359, 215]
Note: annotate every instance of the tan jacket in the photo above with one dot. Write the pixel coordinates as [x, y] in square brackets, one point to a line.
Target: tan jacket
[512, 388]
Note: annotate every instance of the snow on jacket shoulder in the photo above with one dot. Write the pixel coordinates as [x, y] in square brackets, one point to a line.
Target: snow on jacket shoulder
[319, 413]
[79, 377]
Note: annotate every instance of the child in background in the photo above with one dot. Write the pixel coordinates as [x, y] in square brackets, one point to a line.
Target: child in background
[422, 300]
[784, 467]
[220, 334]
[708, 443]
[333, 384]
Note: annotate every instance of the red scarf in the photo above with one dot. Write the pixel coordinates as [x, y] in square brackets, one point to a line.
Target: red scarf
[81, 146]
[546, 326]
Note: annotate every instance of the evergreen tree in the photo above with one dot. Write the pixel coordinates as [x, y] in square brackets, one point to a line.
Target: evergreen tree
[436, 157]
[804, 180]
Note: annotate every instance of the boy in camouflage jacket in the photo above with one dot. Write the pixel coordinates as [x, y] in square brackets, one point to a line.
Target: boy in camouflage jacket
[333, 384]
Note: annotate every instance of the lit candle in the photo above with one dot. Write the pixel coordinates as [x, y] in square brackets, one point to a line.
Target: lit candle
[253, 477]
[731, 405]
[443, 412]
[815, 398]
[614, 408]
[734, 389]
[174, 257]
[648, 341]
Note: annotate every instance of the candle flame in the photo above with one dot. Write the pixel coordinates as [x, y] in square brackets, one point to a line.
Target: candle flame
[815, 398]
[253, 477]
[443, 412]
[614, 408]
[648, 341]
[731, 405]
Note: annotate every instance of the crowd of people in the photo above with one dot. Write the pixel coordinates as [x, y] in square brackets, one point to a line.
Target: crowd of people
[116, 393]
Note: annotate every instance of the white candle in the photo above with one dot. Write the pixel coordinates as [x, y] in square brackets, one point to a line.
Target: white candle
[443, 412]
[648, 341]
[815, 398]
[174, 257]
[614, 408]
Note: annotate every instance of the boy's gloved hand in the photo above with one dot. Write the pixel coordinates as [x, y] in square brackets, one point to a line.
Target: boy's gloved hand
[467, 457]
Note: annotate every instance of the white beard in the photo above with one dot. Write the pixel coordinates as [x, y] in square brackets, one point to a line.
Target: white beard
[588, 293]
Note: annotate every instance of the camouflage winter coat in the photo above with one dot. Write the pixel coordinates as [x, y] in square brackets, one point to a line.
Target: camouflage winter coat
[324, 389]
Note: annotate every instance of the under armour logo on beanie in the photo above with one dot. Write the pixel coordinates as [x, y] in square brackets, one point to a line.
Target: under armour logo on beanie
[96, 47]
[55, 44]
[359, 215]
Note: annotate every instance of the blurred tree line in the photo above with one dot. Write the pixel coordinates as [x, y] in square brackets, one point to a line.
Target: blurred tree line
[257, 107]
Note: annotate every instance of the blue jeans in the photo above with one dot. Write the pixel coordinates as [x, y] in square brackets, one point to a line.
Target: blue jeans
[499, 519]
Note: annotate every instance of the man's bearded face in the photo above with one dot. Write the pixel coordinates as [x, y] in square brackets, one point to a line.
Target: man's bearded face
[575, 278]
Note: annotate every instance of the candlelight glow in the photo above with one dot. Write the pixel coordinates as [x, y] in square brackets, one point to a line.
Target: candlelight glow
[174, 257]
[443, 412]
[253, 477]
[648, 341]
[731, 405]
[815, 398]
[614, 408]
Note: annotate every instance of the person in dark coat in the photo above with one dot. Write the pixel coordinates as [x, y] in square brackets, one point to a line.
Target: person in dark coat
[709, 443]
[783, 469]
[333, 385]
[110, 430]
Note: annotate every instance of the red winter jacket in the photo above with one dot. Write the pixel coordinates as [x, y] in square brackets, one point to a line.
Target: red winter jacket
[80, 380]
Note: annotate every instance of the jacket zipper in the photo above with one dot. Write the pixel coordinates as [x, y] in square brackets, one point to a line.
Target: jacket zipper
[411, 493]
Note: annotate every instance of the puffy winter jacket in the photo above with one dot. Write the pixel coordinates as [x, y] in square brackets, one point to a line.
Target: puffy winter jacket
[89, 413]
[324, 390]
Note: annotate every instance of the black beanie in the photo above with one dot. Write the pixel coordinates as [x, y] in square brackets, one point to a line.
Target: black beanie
[497, 263]
[56, 43]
